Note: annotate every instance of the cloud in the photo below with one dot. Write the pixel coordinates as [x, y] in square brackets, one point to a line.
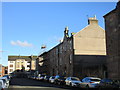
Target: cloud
[20, 43]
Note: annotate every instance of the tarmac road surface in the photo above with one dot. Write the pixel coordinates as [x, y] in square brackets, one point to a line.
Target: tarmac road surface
[29, 84]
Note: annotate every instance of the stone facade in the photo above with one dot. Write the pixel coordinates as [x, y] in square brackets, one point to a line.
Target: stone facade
[58, 60]
[44, 63]
[81, 54]
[89, 50]
[112, 27]
[21, 62]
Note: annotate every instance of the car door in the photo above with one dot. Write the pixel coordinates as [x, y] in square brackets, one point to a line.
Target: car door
[84, 82]
[67, 81]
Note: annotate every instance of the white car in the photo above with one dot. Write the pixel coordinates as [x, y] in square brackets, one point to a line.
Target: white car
[41, 77]
[52, 79]
[72, 81]
[90, 82]
[1, 84]
[5, 82]
[38, 77]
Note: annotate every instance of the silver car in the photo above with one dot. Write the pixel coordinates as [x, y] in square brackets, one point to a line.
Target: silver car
[1, 85]
[72, 81]
[90, 82]
[52, 79]
[5, 82]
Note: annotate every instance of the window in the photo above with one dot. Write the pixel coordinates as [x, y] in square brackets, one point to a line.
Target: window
[11, 70]
[61, 49]
[28, 65]
[11, 61]
[11, 65]
[18, 65]
[60, 61]
[56, 50]
[70, 59]
[18, 61]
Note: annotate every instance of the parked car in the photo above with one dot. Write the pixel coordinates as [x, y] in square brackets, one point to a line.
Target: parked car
[52, 79]
[7, 76]
[33, 77]
[107, 83]
[56, 78]
[5, 82]
[72, 81]
[41, 78]
[90, 82]
[117, 82]
[46, 78]
[37, 77]
[61, 80]
[1, 85]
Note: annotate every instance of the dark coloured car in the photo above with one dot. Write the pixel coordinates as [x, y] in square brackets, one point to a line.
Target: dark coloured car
[46, 78]
[41, 77]
[58, 79]
[61, 80]
[52, 79]
[107, 83]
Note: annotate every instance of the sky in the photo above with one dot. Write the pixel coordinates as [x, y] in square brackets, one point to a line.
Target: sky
[26, 26]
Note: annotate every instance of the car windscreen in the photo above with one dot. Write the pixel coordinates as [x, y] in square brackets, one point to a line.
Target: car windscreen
[47, 76]
[53, 77]
[75, 79]
[4, 81]
[62, 78]
[0, 83]
[42, 75]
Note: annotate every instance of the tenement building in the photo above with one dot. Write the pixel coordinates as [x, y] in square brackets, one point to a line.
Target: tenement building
[112, 27]
[42, 63]
[0, 70]
[79, 54]
[3, 70]
[21, 63]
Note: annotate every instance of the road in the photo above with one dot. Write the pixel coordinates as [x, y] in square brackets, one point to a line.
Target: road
[24, 83]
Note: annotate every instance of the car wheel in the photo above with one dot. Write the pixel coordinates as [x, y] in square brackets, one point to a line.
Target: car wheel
[87, 86]
[66, 84]
[71, 84]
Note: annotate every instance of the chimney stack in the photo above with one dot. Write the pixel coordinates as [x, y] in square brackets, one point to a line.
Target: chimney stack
[66, 32]
[92, 20]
